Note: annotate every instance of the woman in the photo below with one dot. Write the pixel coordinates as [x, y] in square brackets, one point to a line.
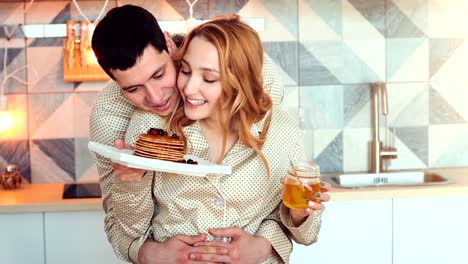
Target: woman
[225, 106]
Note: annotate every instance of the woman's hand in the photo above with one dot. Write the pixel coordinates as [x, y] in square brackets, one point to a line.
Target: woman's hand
[299, 216]
[125, 173]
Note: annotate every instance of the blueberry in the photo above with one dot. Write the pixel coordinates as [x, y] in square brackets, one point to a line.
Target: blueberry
[189, 161]
[183, 161]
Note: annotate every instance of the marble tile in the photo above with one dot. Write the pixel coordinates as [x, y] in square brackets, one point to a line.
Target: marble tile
[321, 107]
[364, 61]
[454, 94]
[440, 51]
[372, 11]
[416, 139]
[441, 111]
[320, 20]
[224, 7]
[363, 20]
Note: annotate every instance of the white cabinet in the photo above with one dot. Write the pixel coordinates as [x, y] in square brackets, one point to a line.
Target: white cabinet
[351, 232]
[77, 237]
[21, 238]
[430, 230]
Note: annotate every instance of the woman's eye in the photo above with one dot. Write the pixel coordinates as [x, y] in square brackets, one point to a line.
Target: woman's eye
[210, 81]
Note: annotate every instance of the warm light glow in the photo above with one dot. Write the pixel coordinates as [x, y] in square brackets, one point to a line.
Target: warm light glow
[90, 57]
[6, 121]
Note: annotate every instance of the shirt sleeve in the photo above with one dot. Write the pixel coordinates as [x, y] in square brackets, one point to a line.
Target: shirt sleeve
[307, 232]
[108, 121]
[271, 82]
[275, 232]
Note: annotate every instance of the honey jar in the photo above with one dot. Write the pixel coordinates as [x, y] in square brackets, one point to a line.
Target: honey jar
[11, 177]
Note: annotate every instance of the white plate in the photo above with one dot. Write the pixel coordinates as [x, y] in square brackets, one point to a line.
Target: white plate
[125, 157]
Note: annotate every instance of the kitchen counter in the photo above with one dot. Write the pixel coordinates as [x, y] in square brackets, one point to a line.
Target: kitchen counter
[48, 197]
[460, 187]
[43, 198]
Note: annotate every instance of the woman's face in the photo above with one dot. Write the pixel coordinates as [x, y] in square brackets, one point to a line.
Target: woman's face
[199, 80]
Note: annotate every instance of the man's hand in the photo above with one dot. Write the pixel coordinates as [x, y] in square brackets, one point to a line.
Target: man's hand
[243, 248]
[125, 173]
[299, 216]
[175, 250]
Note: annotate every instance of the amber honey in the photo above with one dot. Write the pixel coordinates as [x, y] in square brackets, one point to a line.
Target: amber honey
[296, 195]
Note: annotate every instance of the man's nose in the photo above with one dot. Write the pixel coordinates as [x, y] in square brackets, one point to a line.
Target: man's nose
[154, 94]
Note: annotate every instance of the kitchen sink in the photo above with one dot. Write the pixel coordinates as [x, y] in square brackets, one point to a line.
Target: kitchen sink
[400, 178]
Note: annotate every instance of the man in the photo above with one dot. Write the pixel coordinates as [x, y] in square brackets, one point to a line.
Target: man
[135, 53]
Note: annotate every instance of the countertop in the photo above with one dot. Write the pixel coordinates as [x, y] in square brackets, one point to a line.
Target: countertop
[48, 197]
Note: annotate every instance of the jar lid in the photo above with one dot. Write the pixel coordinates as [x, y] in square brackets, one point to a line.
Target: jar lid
[305, 169]
[11, 168]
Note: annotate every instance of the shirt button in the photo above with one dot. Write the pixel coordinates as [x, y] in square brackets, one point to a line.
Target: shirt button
[219, 202]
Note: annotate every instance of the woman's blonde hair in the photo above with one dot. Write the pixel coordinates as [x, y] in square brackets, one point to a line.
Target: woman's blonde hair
[240, 55]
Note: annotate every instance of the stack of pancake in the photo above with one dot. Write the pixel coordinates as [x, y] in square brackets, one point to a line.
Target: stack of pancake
[160, 146]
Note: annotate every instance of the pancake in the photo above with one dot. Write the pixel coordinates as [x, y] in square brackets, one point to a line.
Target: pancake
[157, 144]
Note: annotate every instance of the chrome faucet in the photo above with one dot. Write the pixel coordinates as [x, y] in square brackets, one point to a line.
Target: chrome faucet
[379, 151]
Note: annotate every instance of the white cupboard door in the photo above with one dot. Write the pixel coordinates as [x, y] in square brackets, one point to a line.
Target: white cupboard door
[21, 238]
[431, 230]
[351, 232]
[76, 238]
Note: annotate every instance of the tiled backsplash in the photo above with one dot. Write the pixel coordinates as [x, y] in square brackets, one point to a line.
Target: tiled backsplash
[327, 52]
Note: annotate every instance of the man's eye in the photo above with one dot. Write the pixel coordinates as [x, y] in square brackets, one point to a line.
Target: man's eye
[184, 71]
[159, 76]
[131, 90]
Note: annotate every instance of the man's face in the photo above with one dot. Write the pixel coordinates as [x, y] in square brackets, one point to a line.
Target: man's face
[151, 83]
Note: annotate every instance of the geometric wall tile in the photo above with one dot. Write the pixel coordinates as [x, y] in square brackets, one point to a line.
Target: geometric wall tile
[406, 19]
[312, 70]
[307, 137]
[455, 93]
[49, 76]
[407, 59]
[200, 9]
[357, 26]
[51, 115]
[284, 54]
[447, 144]
[331, 158]
[441, 112]
[406, 157]
[356, 106]
[284, 12]
[52, 12]
[416, 139]
[16, 152]
[364, 61]
[408, 104]
[321, 107]
[447, 19]
[320, 20]
[290, 102]
[277, 25]
[224, 7]
[15, 63]
[83, 103]
[53, 160]
[356, 149]
[372, 11]
[440, 51]
[83, 161]
[456, 154]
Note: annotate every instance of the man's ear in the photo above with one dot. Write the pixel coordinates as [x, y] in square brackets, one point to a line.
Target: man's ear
[171, 46]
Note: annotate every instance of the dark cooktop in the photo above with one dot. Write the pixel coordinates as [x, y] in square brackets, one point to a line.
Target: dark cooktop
[81, 190]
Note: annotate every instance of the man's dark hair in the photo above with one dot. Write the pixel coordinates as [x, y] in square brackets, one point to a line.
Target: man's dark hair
[123, 34]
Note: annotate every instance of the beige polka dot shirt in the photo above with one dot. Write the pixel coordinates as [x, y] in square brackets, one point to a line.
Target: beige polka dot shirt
[190, 205]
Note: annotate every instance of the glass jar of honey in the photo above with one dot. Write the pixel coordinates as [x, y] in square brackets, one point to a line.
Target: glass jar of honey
[11, 177]
[301, 184]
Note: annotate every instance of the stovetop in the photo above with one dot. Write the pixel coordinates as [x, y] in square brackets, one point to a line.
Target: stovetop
[81, 190]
